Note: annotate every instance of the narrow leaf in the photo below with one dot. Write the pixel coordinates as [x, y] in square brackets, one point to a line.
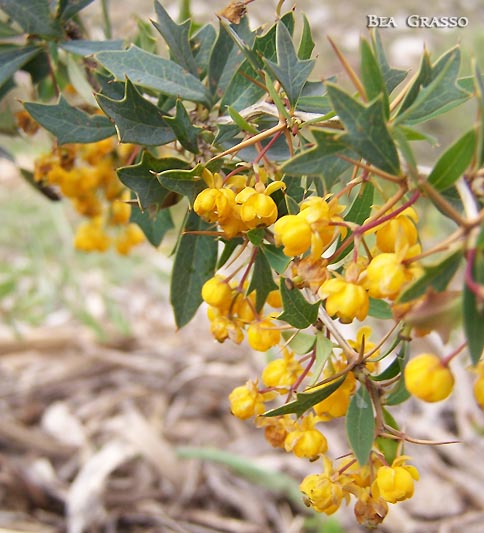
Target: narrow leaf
[195, 260]
[307, 44]
[453, 162]
[69, 124]
[372, 76]
[68, 8]
[298, 312]
[262, 281]
[392, 76]
[14, 59]
[360, 425]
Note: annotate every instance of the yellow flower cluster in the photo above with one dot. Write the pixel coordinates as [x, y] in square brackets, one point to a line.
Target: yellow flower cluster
[85, 174]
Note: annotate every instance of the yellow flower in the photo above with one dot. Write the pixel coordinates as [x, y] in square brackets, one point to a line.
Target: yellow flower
[337, 403]
[396, 483]
[428, 379]
[345, 300]
[263, 335]
[217, 293]
[258, 210]
[386, 275]
[305, 441]
[399, 232]
[91, 237]
[294, 233]
[214, 205]
[282, 372]
[246, 401]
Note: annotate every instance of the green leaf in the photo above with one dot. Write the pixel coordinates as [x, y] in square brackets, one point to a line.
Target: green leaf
[440, 95]
[262, 281]
[78, 79]
[372, 76]
[33, 16]
[306, 45]
[141, 178]
[366, 129]
[473, 307]
[185, 182]
[289, 70]
[396, 366]
[14, 59]
[479, 88]
[153, 222]
[324, 349]
[137, 120]
[177, 37]
[186, 133]
[306, 400]
[300, 343]
[360, 425]
[241, 122]
[202, 44]
[380, 309]
[437, 276]
[69, 124]
[453, 162]
[298, 312]
[6, 30]
[195, 260]
[229, 248]
[322, 159]
[388, 446]
[86, 48]
[392, 76]
[154, 72]
[424, 77]
[398, 394]
[68, 8]
[278, 261]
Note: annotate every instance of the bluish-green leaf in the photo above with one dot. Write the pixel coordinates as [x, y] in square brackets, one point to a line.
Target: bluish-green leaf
[137, 120]
[177, 37]
[33, 16]
[185, 182]
[69, 124]
[262, 281]
[195, 260]
[298, 312]
[141, 178]
[153, 222]
[473, 306]
[306, 400]
[423, 78]
[291, 72]
[306, 45]
[185, 132]
[440, 95]
[278, 261]
[380, 309]
[15, 58]
[392, 76]
[154, 72]
[366, 129]
[68, 8]
[437, 276]
[453, 162]
[86, 48]
[372, 76]
[360, 425]
[202, 45]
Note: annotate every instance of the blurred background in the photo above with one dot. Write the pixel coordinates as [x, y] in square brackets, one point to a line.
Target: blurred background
[111, 420]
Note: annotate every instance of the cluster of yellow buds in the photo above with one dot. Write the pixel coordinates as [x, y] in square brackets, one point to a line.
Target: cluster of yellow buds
[85, 174]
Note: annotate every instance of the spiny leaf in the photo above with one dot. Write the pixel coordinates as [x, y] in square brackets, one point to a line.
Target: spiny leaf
[424, 77]
[177, 37]
[453, 162]
[306, 400]
[366, 129]
[68, 8]
[278, 261]
[154, 72]
[306, 45]
[15, 58]
[137, 120]
[33, 16]
[185, 132]
[392, 76]
[289, 70]
[185, 182]
[372, 76]
[262, 281]
[195, 260]
[86, 48]
[202, 45]
[298, 312]
[69, 124]
[360, 425]
[153, 222]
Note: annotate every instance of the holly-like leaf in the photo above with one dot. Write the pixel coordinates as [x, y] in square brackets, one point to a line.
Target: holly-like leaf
[307, 44]
[437, 276]
[177, 37]
[424, 77]
[195, 260]
[440, 95]
[186, 133]
[12, 59]
[154, 72]
[185, 182]
[141, 178]
[372, 76]
[153, 222]
[278, 261]
[360, 425]
[291, 72]
[298, 312]
[33, 16]
[392, 76]
[322, 159]
[69, 124]
[453, 162]
[68, 8]
[262, 281]
[473, 306]
[366, 129]
[202, 44]
[86, 48]
[306, 400]
[137, 120]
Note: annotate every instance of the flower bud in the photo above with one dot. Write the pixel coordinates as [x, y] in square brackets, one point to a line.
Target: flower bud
[294, 233]
[263, 335]
[345, 300]
[428, 379]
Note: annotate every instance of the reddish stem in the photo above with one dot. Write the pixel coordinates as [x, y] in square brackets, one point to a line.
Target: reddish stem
[305, 372]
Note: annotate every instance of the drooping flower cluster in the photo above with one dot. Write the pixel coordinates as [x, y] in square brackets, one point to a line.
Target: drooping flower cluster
[85, 174]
